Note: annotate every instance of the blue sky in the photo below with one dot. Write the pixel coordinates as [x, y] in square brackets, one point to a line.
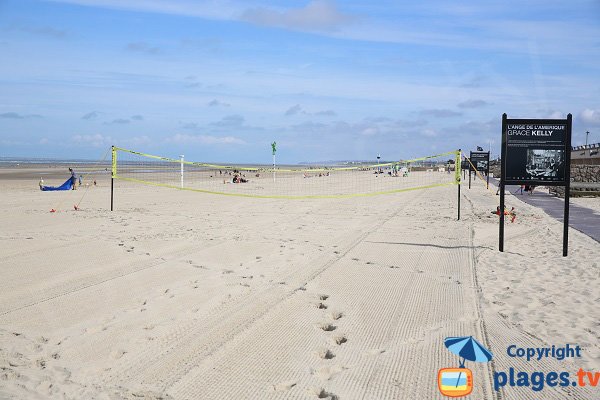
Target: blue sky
[328, 80]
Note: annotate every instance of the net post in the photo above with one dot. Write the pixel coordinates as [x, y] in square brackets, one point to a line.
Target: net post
[181, 173]
[457, 164]
[113, 173]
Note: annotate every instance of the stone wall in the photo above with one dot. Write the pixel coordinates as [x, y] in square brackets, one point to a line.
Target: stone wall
[585, 181]
[585, 173]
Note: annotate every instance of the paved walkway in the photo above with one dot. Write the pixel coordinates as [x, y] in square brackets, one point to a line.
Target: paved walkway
[581, 218]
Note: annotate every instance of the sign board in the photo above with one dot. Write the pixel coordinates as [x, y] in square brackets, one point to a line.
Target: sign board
[535, 151]
[465, 165]
[481, 161]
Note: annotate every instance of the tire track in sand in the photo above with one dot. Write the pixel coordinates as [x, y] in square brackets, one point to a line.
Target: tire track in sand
[186, 347]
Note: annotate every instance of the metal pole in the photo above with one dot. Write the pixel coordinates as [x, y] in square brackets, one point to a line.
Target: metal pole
[459, 201]
[487, 171]
[502, 176]
[501, 244]
[181, 173]
[567, 186]
[112, 184]
[273, 167]
[458, 164]
[586, 142]
[113, 173]
[470, 167]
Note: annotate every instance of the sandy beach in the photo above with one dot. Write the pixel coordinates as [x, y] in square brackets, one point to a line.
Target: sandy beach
[181, 295]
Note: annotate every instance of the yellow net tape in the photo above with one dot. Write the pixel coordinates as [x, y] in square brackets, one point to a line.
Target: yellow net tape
[301, 182]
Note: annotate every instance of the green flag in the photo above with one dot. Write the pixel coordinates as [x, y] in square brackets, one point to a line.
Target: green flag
[274, 147]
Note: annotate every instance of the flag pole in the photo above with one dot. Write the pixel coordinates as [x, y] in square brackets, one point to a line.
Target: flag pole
[274, 148]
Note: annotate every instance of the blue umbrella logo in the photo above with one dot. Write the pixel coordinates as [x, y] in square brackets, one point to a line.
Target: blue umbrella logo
[467, 348]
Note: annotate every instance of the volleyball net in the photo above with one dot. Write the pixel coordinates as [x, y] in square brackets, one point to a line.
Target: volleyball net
[331, 180]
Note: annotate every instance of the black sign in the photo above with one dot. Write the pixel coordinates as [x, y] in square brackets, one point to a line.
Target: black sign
[481, 161]
[465, 165]
[535, 151]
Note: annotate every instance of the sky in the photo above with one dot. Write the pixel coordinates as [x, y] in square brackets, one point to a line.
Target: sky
[327, 80]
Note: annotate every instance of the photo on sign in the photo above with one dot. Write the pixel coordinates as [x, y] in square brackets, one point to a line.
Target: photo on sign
[544, 164]
[482, 165]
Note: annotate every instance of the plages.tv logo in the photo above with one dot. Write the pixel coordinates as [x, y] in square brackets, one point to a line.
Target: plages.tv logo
[458, 382]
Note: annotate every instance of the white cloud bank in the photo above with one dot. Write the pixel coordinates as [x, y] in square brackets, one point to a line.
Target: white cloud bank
[204, 139]
[590, 117]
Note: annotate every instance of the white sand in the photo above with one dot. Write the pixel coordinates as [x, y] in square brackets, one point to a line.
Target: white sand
[190, 296]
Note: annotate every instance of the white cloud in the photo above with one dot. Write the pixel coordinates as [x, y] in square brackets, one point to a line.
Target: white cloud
[14, 115]
[217, 103]
[440, 113]
[90, 115]
[589, 116]
[229, 121]
[216, 9]
[429, 133]
[473, 104]
[96, 140]
[293, 110]
[142, 47]
[204, 139]
[556, 115]
[318, 15]
[99, 140]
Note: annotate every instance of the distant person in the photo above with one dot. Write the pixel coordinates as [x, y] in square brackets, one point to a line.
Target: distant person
[80, 179]
[95, 183]
[519, 189]
[41, 183]
[73, 179]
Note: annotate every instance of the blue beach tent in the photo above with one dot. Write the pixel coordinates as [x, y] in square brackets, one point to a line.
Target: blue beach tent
[68, 185]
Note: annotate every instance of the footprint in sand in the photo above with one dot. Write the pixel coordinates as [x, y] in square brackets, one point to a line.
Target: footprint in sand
[324, 354]
[374, 352]
[321, 393]
[116, 354]
[327, 372]
[327, 327]
[323, 297]
[338, 339]
[335, 315]
[321, 306]
[284, 386]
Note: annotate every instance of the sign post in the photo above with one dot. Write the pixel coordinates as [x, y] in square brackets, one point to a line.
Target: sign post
[458, 163]
[536, 152]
